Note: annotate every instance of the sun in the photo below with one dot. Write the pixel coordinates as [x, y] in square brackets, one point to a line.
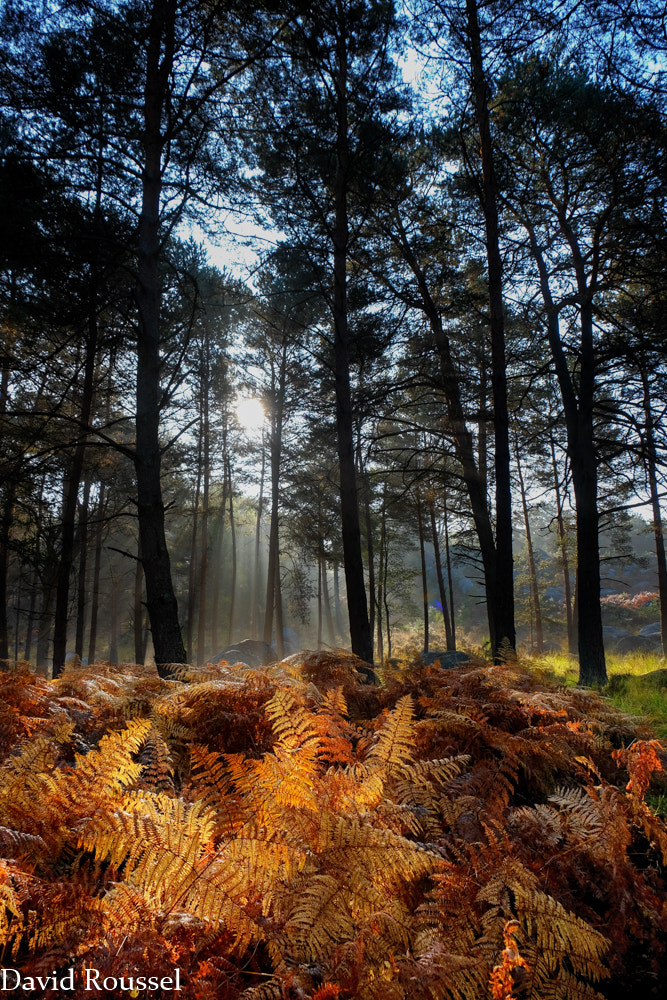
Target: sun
[250, 414]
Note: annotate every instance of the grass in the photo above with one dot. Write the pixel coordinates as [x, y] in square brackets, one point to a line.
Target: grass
[637, 683]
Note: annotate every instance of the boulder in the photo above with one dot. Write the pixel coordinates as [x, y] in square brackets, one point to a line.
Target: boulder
[448, 658]
[649, 630]
[254, 652]
[611, 634]
[636, 644]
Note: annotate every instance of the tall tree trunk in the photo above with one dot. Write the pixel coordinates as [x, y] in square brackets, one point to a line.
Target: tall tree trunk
[422, 554]
[651, 472]
[114, 622]
[217, 574]
[534, 590]
[504, 575]
[318, 641]
[278, 389]
[256, 562]
[463, 440]
[97, 568]
[160, 597]
[232, 533]
[449, 638]
[5, 528]
[338, 611]
[578, 410]
[31, 617]
[192, 568]
[565, 564]
[83, 563]
[138, 616]
[206, 473]
[380, 585]
[8, 505]
[448, 557]
[45, 623]
[70, 506]
[326, 601]
[357, 603]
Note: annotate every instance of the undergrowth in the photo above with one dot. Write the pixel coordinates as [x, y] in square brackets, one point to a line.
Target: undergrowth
[292, 833]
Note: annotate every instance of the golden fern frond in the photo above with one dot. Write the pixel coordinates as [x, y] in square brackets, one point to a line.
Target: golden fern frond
[291, 722]
[320, 918]
[13, 925]
[271, 990]
[157, 768]
[561, 938]
[16, 844]
[582, 810]
[164, 846]
[394, 745]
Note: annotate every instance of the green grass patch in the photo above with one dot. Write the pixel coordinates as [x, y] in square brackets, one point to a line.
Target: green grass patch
[637, 683]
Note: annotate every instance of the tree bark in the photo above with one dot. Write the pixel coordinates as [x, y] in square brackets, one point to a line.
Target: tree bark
[422, 555]
[534, 590]
[449, 638]
[160, 597]
[658, 534]
[450, 581]
[95, 590]
[578, 411]
[206, 475]
[232, 533]
[256, 564]
[504, 574]
[278, 387]
[83, 565]
[357, 603]
[562, 542]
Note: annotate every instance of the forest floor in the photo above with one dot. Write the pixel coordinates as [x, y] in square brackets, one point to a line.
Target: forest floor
[289, 832]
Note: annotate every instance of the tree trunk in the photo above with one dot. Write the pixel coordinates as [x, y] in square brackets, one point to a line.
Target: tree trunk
[357, 604]
[206, 473]
[138, 616]
[256, 564]
[450, 581]
[70, 507]
[504, 574]
[278, 389]
[378, 597]
[232, 533]
[583, 461]
[83, 563]
[5, 528]
[422, 554]
[651, 472]
[534, 590]
[95, 590]
[160, 597]
[192, 568]
[217, 575]
[562, 542]
[31, 617]
[449, 638]
[463, 440]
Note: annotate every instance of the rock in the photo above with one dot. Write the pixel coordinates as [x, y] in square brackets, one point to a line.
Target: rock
[254, 652]
[611, 634]
[652, 629]
[635, 644]
[448, 658]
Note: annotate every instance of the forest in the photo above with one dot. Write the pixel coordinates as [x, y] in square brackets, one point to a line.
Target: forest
[332, 398]
[424, 388]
